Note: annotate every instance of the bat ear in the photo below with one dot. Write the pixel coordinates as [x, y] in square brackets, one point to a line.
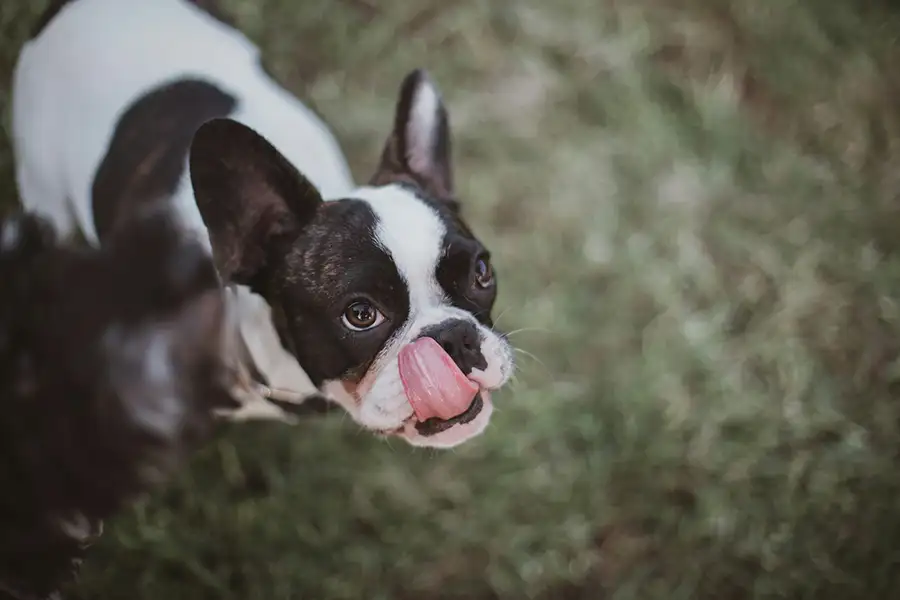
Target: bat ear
[250, 197]
[419, 149]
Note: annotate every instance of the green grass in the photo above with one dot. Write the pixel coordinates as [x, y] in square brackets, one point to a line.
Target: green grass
[694, 206]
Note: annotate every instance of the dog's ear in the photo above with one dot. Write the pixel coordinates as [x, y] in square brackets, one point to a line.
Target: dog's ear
[251, 198]
[418, 149]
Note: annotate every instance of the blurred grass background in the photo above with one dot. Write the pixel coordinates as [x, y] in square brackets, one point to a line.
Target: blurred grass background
[694, 205]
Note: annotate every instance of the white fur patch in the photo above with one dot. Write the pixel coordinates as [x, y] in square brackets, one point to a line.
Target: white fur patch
[422, 128]
[412, 233]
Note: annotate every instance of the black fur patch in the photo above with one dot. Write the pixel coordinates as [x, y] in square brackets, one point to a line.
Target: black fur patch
[311, 405]
[338, 261]
[85, 421]
[146, 158]
[48, 15]
[456, 272]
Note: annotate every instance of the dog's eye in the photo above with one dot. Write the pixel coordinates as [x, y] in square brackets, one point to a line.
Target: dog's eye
[484, 274]
[361, 315]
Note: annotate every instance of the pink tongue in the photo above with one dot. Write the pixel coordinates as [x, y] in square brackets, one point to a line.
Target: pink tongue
[434, 385]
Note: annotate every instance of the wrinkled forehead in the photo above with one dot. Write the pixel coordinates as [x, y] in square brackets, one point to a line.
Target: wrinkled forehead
[384, 240]
[411, 232]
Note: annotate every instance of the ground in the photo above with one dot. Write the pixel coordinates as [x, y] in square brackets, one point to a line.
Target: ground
[693, 206]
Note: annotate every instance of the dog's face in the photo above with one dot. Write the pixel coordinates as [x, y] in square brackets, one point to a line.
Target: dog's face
[354, 282]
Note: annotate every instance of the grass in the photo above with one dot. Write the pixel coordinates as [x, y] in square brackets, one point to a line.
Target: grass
[695, 209]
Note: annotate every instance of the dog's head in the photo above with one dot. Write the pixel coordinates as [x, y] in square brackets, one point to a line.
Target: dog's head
[356, 284]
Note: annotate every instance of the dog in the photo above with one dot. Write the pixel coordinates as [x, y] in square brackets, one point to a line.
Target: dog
[379, 296]
[111, 368]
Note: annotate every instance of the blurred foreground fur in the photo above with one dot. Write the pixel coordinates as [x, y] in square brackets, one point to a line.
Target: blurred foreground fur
[109, 370]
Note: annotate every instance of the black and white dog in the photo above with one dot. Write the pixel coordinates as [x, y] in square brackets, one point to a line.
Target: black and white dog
[111, 368]
[380, 297]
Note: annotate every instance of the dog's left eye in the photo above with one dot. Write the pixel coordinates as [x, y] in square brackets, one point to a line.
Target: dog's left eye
[361, 316]
[484, 273]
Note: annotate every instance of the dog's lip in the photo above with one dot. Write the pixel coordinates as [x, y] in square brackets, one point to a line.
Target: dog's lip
[477, 378]
[436, 425]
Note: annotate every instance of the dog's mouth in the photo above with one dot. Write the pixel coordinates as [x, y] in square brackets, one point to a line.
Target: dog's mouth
[436, 425]
[441, 397]
[440, 394]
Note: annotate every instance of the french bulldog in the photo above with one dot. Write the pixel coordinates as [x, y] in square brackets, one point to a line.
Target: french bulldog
[377, 295]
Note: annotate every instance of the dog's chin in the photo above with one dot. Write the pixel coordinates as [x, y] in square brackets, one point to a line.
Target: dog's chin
[440, 433]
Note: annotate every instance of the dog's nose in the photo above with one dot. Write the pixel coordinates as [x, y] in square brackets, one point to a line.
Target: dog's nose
[459, 339]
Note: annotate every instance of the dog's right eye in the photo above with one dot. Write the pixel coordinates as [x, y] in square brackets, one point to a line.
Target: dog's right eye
[361, 316]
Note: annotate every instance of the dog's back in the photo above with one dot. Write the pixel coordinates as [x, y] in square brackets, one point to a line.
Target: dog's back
[108, 94]
[111, 364]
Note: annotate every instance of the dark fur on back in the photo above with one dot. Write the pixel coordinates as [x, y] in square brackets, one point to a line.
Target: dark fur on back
[145, 159]
[110, 364]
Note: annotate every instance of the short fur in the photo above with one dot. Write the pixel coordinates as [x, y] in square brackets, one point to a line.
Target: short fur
[253, 188]
[145, 158]
[111, 364]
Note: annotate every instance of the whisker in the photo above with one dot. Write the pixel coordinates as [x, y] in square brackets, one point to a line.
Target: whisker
[524, 352]
[502, 312]
[509, 334]
[508, 308]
